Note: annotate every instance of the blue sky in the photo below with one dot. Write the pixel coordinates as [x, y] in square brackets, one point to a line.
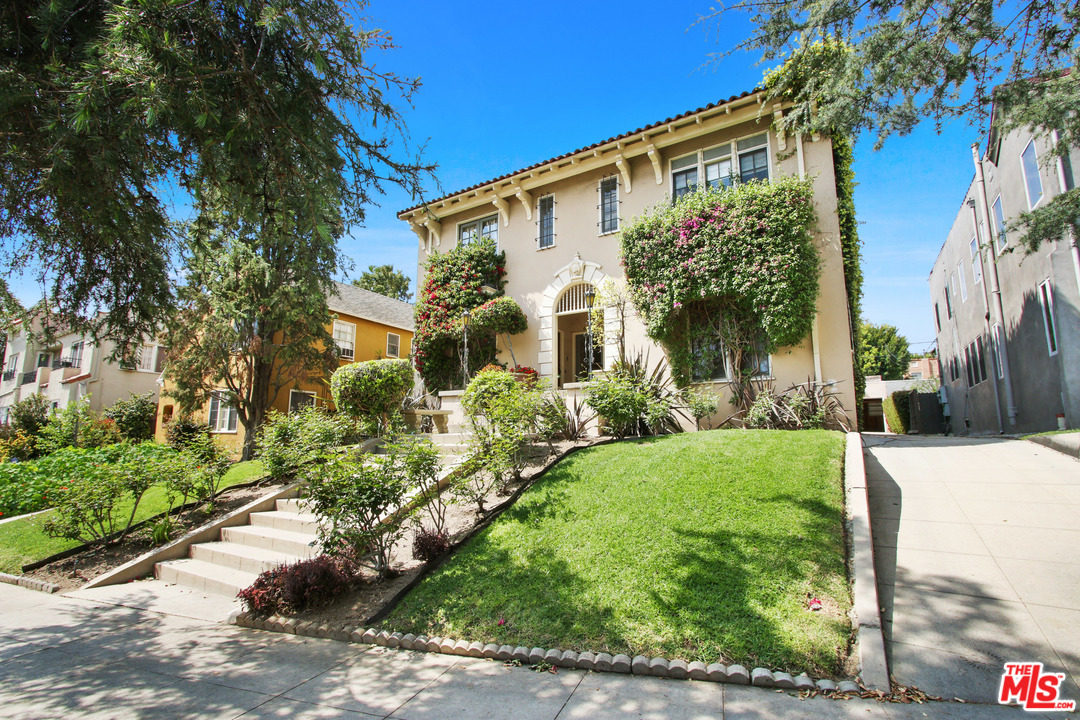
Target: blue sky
[508, 85]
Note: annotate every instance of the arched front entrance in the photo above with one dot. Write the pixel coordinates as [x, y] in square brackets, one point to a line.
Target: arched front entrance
[562, 324]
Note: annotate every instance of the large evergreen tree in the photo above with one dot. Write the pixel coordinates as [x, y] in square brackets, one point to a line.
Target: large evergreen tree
[108, 106]
[886, 66]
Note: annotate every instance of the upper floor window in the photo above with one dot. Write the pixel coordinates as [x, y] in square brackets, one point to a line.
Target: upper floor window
[948, 302]
[393, 345]
[487, 227]
[746, 159]
[937, 317]
[1046, 299]
[999, 224]
[963, 281]
[345, 339]
[976, 264]
[609, 205]
[221, 416]
[754, 158]
[546, 237]
[150, 358]
[1029, 163]
[76, 353]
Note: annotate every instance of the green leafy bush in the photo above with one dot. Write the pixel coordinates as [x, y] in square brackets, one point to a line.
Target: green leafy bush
[15, 444]
[98, 501]
[134, 417]
[619, 402]
[77, 426]
[288, 441]
[897, 409]
[372, 391]
[702, 405]
[30, 414]
[353, 497]
[502, 413]
[183, 429]
[210, 462]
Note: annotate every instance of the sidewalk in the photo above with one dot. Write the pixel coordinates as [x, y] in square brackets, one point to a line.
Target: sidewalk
[73, 658]
[977, 551]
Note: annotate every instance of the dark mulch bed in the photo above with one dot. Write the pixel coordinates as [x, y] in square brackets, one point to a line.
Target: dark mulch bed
[75, 571]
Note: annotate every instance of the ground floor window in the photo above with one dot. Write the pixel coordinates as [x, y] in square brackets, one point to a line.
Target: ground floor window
[300, 399]
[222, 414]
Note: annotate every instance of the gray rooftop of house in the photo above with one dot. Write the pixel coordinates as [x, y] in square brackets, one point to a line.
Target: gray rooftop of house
[368, 305]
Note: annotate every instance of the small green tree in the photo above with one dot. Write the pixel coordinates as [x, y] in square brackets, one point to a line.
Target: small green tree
[353, 498]
[883, 351]
[30, 414]
[502, 413]
[385, 280]
[288, 441]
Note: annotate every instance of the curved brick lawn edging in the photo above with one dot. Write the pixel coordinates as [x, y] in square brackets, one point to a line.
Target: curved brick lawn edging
[29, 583]
[598, 662]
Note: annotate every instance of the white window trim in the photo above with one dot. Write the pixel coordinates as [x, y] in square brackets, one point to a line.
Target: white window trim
[478, 221]
[995, 340]
[540, 222]
[309, 393]
[1038, 176]
[340, 350]
[152, 348]
[733, 157]
[1002, 236]
[217, 396]
[976, 260]
[398, 353]
[600, 206]
[963, 281]
[1046, 301]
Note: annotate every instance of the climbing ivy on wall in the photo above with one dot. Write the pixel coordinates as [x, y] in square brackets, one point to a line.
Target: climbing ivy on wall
[736, 264]
[453, 285]
[843, 157]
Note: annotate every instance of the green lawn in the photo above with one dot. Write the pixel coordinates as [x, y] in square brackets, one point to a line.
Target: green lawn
[701, 546]
[23, 541]
[1051, 432]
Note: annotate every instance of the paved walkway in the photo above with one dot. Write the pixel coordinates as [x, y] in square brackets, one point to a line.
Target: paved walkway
[977, 545]
[67, 657]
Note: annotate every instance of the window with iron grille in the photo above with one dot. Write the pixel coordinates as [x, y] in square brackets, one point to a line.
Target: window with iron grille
[609, 204]
[547, 222]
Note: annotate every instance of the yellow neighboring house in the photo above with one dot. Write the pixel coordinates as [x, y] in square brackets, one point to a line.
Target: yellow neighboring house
[368, 326]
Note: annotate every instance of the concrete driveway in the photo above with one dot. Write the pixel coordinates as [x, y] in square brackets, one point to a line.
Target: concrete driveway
[977, 545]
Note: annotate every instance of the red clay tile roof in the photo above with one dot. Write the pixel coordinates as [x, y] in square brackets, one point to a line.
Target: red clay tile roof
[710, 106]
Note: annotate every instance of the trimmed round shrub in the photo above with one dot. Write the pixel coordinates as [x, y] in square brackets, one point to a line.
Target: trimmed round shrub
[498, 316]
[370, 389]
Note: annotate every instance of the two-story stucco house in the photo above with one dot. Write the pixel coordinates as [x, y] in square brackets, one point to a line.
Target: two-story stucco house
[558, 222]
[73, 366]
[1008, 323]
[366, 326]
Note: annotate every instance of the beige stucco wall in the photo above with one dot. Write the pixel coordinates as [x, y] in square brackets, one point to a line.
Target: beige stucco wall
[537, 278]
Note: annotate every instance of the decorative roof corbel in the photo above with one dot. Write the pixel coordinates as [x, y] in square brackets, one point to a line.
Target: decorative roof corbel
[624, 169]
[655, 159]
[421, 232]
[526, 200]
[504, 209]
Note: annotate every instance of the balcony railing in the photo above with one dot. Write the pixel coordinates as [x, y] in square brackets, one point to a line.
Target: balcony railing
[9, 375]
[28, 377]
[61, 363]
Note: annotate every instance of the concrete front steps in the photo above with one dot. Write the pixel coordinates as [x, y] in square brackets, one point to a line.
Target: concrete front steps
[451, 446]
[272, 538]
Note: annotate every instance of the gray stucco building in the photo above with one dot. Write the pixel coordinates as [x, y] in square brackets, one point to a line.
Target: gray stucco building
[1008, 324]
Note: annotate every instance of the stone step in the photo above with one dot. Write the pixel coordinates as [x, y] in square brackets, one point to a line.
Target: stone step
[270, 538]
[204, 576]
[450, 438]
[296, 505]
[286, 520]
[246, 558]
